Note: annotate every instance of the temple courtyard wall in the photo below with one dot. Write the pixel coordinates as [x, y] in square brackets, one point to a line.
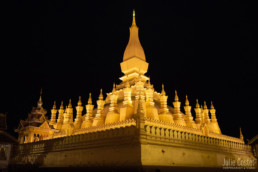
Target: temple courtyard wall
[106, 148]
[127, 147]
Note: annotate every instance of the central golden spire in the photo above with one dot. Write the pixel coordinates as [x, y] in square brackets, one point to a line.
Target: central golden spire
[134, 63]
[134, 47]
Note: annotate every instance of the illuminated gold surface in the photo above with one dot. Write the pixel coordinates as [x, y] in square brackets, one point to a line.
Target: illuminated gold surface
[133, 113]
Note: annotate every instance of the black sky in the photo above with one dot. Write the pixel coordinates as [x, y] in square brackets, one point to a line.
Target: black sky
[205, 49]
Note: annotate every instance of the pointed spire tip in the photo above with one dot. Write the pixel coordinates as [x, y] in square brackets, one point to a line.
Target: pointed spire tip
[134, 21]
[79, 101]
[40, 102]
[90, 100]
[163, 90]
[62, 105]
[212, 106]
[54, 106]
[197, 104]
[70, 103]
[186, 101]
[205, 105]
[176, 96]
[100, 95]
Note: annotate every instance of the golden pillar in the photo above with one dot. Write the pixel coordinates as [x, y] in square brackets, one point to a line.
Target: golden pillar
[126, 111]
[60, 116]
[214, 121]
[178, 116]
[88, 117]
[188, 118]
[68, 125]
[113, 115]
[78, 119]
[99, 118]
[164, 112]
[151, 110]
[198, 114]
[53, 115]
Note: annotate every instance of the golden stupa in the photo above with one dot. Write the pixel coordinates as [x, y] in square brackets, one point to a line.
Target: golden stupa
[133, 126]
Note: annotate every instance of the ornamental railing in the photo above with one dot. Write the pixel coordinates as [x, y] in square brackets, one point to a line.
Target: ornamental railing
[119, 124]
[164, 134]
[186, 129]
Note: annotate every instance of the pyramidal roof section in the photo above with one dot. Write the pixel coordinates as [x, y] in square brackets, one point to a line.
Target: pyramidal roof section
[134, 47]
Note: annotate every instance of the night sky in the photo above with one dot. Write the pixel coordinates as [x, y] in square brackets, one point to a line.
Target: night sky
[205, 49]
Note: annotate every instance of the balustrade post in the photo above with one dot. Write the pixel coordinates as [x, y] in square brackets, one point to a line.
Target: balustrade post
[171, 133]
[162, 132]
[175, 134]
[157, 131]
[179, 135]
[167, 133]
[148, 129]
[153, 131]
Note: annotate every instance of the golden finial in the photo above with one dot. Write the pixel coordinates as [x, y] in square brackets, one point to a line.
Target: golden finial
[66, 109]
[70, 103]
[100, 95]
[40, 103]
[241, 135]
[62, 105]
[134, 22]
[79, 101]
[197, 104]
[54, 106]
[90, 100]
[212, 107]
[114, 88]
[163, 93]
[176, 96]
[205, 105]
[186, 101]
